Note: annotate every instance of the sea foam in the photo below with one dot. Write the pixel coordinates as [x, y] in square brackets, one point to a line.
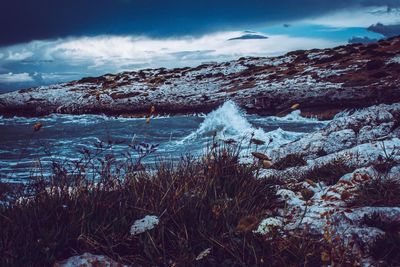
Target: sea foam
[229, 122]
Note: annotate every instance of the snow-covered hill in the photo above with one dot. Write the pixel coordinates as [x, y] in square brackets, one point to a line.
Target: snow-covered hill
[346, 76]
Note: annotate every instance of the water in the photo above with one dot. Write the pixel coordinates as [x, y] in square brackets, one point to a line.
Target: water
[63, 136]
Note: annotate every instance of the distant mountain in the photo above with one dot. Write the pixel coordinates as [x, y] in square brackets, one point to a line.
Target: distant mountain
[362, 40]
[320, 79]
[385, 30]
[249, 36]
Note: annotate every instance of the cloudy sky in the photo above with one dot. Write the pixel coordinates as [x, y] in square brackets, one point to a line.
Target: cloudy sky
[48, 41]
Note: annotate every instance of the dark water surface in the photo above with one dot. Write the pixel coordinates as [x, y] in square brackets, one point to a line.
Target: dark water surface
[22, 150]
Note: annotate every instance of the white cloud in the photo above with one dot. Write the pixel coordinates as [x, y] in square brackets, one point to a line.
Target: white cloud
[91, 56]
[20, 55]
[119, 51]
[360, 17]
[15, 77]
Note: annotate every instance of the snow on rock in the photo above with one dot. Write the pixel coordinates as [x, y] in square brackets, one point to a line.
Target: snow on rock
[286, 194]
[328, 208]
[318, 55]
[395, 60]
[387, 213]
[362, 155]
[144, 224]
[370, 132]
[350, 224]
[394, 171]
[88, 260]
[340, 140]
[267, 225]
[373, 115]
[364, 170]
[348, 130]
[361, 139]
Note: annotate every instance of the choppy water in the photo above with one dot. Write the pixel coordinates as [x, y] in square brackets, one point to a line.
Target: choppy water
[63, 136]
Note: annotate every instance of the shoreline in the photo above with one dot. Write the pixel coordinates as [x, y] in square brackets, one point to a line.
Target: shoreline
[321, 113]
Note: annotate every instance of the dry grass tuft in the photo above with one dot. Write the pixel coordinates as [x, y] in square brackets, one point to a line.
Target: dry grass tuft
[328, 173]
[200, 204]
[291, 160]
[377, 192]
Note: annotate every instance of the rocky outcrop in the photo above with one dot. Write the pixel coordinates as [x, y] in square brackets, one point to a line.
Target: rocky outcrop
[347, 76]
[357, 149]
[348, 131]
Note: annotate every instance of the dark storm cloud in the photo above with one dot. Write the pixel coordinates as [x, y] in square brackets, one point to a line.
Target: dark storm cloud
[25, 20]
[249, 36]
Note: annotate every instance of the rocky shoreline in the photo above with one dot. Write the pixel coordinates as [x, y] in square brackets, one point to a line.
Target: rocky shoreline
[324, 174]
[319, 80]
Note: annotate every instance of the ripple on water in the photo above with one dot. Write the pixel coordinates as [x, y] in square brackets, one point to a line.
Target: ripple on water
[62, 136]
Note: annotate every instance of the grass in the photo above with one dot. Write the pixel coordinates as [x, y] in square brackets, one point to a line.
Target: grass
[291, 160]
[328, 173]
[386, 249]
[384, 166]
[212, 203]
[378, 220]
[380, 191]
[202, 203]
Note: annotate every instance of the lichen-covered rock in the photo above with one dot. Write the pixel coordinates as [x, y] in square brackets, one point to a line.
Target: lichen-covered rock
[367, 144]
[370, 133]
[340, 140]
[373, 115]
[346, 131]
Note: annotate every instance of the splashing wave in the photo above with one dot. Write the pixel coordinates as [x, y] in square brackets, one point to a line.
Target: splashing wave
[229, 121]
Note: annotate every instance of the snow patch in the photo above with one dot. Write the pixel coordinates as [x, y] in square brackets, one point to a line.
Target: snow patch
[295, 115]
[395, 60]
[88, 260]
[145, 224]
[318, 55]
[267, 225]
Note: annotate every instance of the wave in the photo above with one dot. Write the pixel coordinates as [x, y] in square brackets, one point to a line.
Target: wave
[225, 122]
[85, 119]
[229, 122]
[279, 137]
[294, 116]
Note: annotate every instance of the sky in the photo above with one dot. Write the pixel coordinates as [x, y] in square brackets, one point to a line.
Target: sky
[47, 41]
